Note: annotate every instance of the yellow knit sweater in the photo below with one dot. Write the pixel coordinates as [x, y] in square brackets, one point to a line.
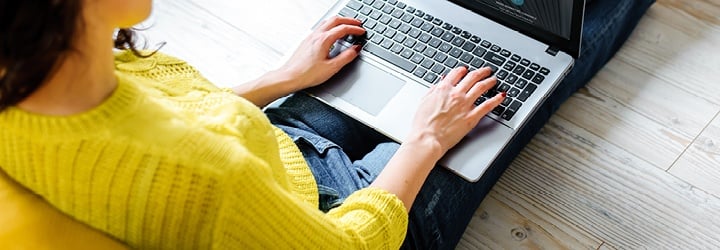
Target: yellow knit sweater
[169, 161]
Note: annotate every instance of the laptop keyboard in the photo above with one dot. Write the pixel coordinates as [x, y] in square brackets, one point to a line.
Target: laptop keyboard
[427, 47]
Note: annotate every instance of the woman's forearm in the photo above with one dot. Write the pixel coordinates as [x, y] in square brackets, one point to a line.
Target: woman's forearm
[268, 88]
[406, 172]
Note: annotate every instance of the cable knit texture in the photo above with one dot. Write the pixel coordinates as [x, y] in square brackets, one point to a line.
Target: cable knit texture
[170, 161]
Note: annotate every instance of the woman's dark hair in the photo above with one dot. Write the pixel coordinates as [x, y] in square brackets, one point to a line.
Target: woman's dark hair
[34, 36]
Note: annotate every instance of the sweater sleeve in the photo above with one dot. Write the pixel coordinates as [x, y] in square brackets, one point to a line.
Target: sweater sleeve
[258, 213]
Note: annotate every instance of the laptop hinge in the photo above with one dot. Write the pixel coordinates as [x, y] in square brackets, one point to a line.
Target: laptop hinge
[552, 51]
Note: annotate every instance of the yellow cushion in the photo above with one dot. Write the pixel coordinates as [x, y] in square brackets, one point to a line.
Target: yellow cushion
[28, 222]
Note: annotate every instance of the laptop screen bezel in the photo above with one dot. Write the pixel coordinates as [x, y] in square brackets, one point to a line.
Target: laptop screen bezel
[570, 46]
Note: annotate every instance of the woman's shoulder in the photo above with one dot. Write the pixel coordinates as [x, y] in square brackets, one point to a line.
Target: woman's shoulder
[162, 70]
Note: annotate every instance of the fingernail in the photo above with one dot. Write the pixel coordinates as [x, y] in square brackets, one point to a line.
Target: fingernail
[442, 77]
[504, 94]
[465, 66]
[358, 48]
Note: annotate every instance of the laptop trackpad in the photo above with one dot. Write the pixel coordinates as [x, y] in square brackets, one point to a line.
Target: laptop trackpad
[364, 86]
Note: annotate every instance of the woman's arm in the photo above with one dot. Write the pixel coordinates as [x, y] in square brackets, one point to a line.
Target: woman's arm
[445, 116]
[309, 65]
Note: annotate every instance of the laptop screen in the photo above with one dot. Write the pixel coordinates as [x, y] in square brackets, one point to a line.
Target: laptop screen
[554, 22]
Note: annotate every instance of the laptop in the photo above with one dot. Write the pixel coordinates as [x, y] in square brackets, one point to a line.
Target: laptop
[530, 45]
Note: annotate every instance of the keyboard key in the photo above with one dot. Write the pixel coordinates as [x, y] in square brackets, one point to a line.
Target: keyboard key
[503, 88]
[428, 18]
[445, 47]
[521, 83]
[465, 34]
[387, 43]
[420, 47]
[451, 63]
[417, 22]
[447, 26]
[475, 39]
[401, 5]
[438, 69]
[458, 41]
[354, 5]
[407, 53]
[469, 47]
[407, 18]
[486, 44]
[377, 39]
[378, 5]
[414, 33]
[479, 52]
[368, 2]
[501, 75]
[480, 100]
[509, 66]
[388, 9]
[385, 19]
[525, 62]
[427, 63]
[505, 53]
[440, 57]
[397, 48]
[391, 58]
[448, 37]
[398, 13]
[389, 33]
[399, 38]
[477, 62]
[419, 13]
[424, 38]
[420, 72]
[437, 31]
[466, 57]
[375, 15]
[417, 58]
[515, 106]
[511, 79]
[435, 43]
[527, 92]
[430, 78]
[370, 24]
[544, 71]
[513, 92]
[508, 115]
[456, 52]
[404, 28]
[427, 27]
[515, 58]
[395, 24]
[506, 101]
[430, 52]
[535, 66]
[410, 9]
[498, 110]
[409, 43]
[456, 30]
[346, 12]
[495, 48]
[393, 2]
[519, 70]
[437, 21]
[538, 79]
[529, 74]
[494, 58]
[366, 10]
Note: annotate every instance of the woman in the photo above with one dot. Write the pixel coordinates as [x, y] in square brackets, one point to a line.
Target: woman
[148, 152]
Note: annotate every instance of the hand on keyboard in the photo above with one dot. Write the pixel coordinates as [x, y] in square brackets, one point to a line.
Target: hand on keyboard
[310, 64]
[448, 111]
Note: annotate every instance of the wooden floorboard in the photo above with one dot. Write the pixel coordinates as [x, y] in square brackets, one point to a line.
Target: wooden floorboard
[630, 161]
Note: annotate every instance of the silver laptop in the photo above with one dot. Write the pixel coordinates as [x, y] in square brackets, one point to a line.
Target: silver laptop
[530, 44]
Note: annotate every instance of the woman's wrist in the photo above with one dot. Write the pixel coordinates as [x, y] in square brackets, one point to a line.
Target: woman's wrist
[425, 145]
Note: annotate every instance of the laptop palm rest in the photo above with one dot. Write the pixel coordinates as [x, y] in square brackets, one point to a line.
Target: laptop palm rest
[364, 86]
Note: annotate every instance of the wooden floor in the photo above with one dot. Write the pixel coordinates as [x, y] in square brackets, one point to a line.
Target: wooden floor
[630, 161]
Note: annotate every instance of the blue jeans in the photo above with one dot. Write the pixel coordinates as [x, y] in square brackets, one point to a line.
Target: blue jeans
[345, 155]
